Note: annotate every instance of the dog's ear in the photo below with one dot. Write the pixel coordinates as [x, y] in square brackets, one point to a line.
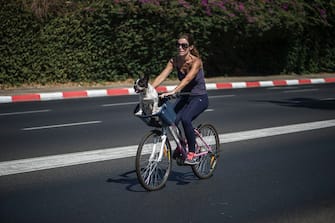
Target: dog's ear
[138, 80]
[146, 79]
[135, 86]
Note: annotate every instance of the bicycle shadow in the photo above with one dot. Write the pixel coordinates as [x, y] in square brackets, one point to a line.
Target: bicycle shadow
[129, 179]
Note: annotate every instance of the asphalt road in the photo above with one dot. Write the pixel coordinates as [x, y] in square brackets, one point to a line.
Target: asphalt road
[277, 178]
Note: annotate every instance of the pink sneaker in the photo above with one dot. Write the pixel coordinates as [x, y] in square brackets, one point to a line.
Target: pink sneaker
[191, 159]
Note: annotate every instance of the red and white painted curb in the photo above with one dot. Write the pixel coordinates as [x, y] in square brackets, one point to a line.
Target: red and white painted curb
[130, 91]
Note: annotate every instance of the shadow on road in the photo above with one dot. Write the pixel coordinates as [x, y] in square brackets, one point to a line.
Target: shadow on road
[326, 104]
[129, 179]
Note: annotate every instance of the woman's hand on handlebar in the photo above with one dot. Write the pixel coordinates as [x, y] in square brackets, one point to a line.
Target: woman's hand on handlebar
[168, 94]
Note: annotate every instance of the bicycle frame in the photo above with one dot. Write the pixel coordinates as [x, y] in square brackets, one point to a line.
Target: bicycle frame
[181, 143]
[161, 150]
[209, 148]
[173, 129]
[176, 136]
[178, 139]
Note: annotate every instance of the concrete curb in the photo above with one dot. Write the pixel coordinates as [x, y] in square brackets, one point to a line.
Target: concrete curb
[130, 91]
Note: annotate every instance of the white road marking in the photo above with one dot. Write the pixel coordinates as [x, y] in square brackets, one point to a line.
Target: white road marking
[24, 112]
[275, 131]
[61, 125]
[222, 96]
[283, 88]
[119, 104]
[301, 90]
[327, 99]
[63, 160]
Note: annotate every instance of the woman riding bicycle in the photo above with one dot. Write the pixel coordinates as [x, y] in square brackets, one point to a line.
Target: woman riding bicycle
[189, 106]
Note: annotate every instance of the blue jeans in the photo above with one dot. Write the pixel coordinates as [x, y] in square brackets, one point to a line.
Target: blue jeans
[187, 109]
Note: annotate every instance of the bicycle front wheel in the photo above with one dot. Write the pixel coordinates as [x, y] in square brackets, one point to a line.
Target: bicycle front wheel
[153, 161]
[207, 141]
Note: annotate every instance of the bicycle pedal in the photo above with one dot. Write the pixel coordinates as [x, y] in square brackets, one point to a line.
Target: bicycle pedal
[180, 161]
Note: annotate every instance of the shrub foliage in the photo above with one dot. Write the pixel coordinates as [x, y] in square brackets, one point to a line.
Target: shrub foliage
[60, 41]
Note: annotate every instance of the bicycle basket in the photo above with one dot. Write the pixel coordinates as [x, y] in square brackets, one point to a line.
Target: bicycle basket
[165, 117]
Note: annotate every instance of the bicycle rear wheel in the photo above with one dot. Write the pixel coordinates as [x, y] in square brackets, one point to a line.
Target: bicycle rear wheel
[152, 166]
[207, 163]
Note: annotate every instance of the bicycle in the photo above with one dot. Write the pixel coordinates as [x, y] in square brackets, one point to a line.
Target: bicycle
[153, 158]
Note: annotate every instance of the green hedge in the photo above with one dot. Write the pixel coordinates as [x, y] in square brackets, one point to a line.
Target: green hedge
[115, 40]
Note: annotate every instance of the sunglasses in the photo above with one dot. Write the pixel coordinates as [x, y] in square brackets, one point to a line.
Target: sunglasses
[182, 45]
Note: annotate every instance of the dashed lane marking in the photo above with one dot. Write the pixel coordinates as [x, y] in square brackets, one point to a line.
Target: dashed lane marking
[24, 112]
[61, 125]
[119, 104]
[301, 90]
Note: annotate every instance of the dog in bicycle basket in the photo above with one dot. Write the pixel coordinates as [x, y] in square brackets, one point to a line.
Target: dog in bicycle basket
[148, 104]
[151, 109]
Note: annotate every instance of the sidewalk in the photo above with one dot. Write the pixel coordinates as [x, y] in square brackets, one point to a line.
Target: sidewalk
[126, 88]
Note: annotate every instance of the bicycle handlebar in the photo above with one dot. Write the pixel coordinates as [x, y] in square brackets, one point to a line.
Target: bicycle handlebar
[176, 95]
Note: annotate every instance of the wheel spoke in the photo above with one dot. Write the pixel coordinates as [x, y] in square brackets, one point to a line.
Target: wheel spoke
[152, 167]
[208, 141]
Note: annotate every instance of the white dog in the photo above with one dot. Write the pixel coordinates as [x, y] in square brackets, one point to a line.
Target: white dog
[148, 97]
